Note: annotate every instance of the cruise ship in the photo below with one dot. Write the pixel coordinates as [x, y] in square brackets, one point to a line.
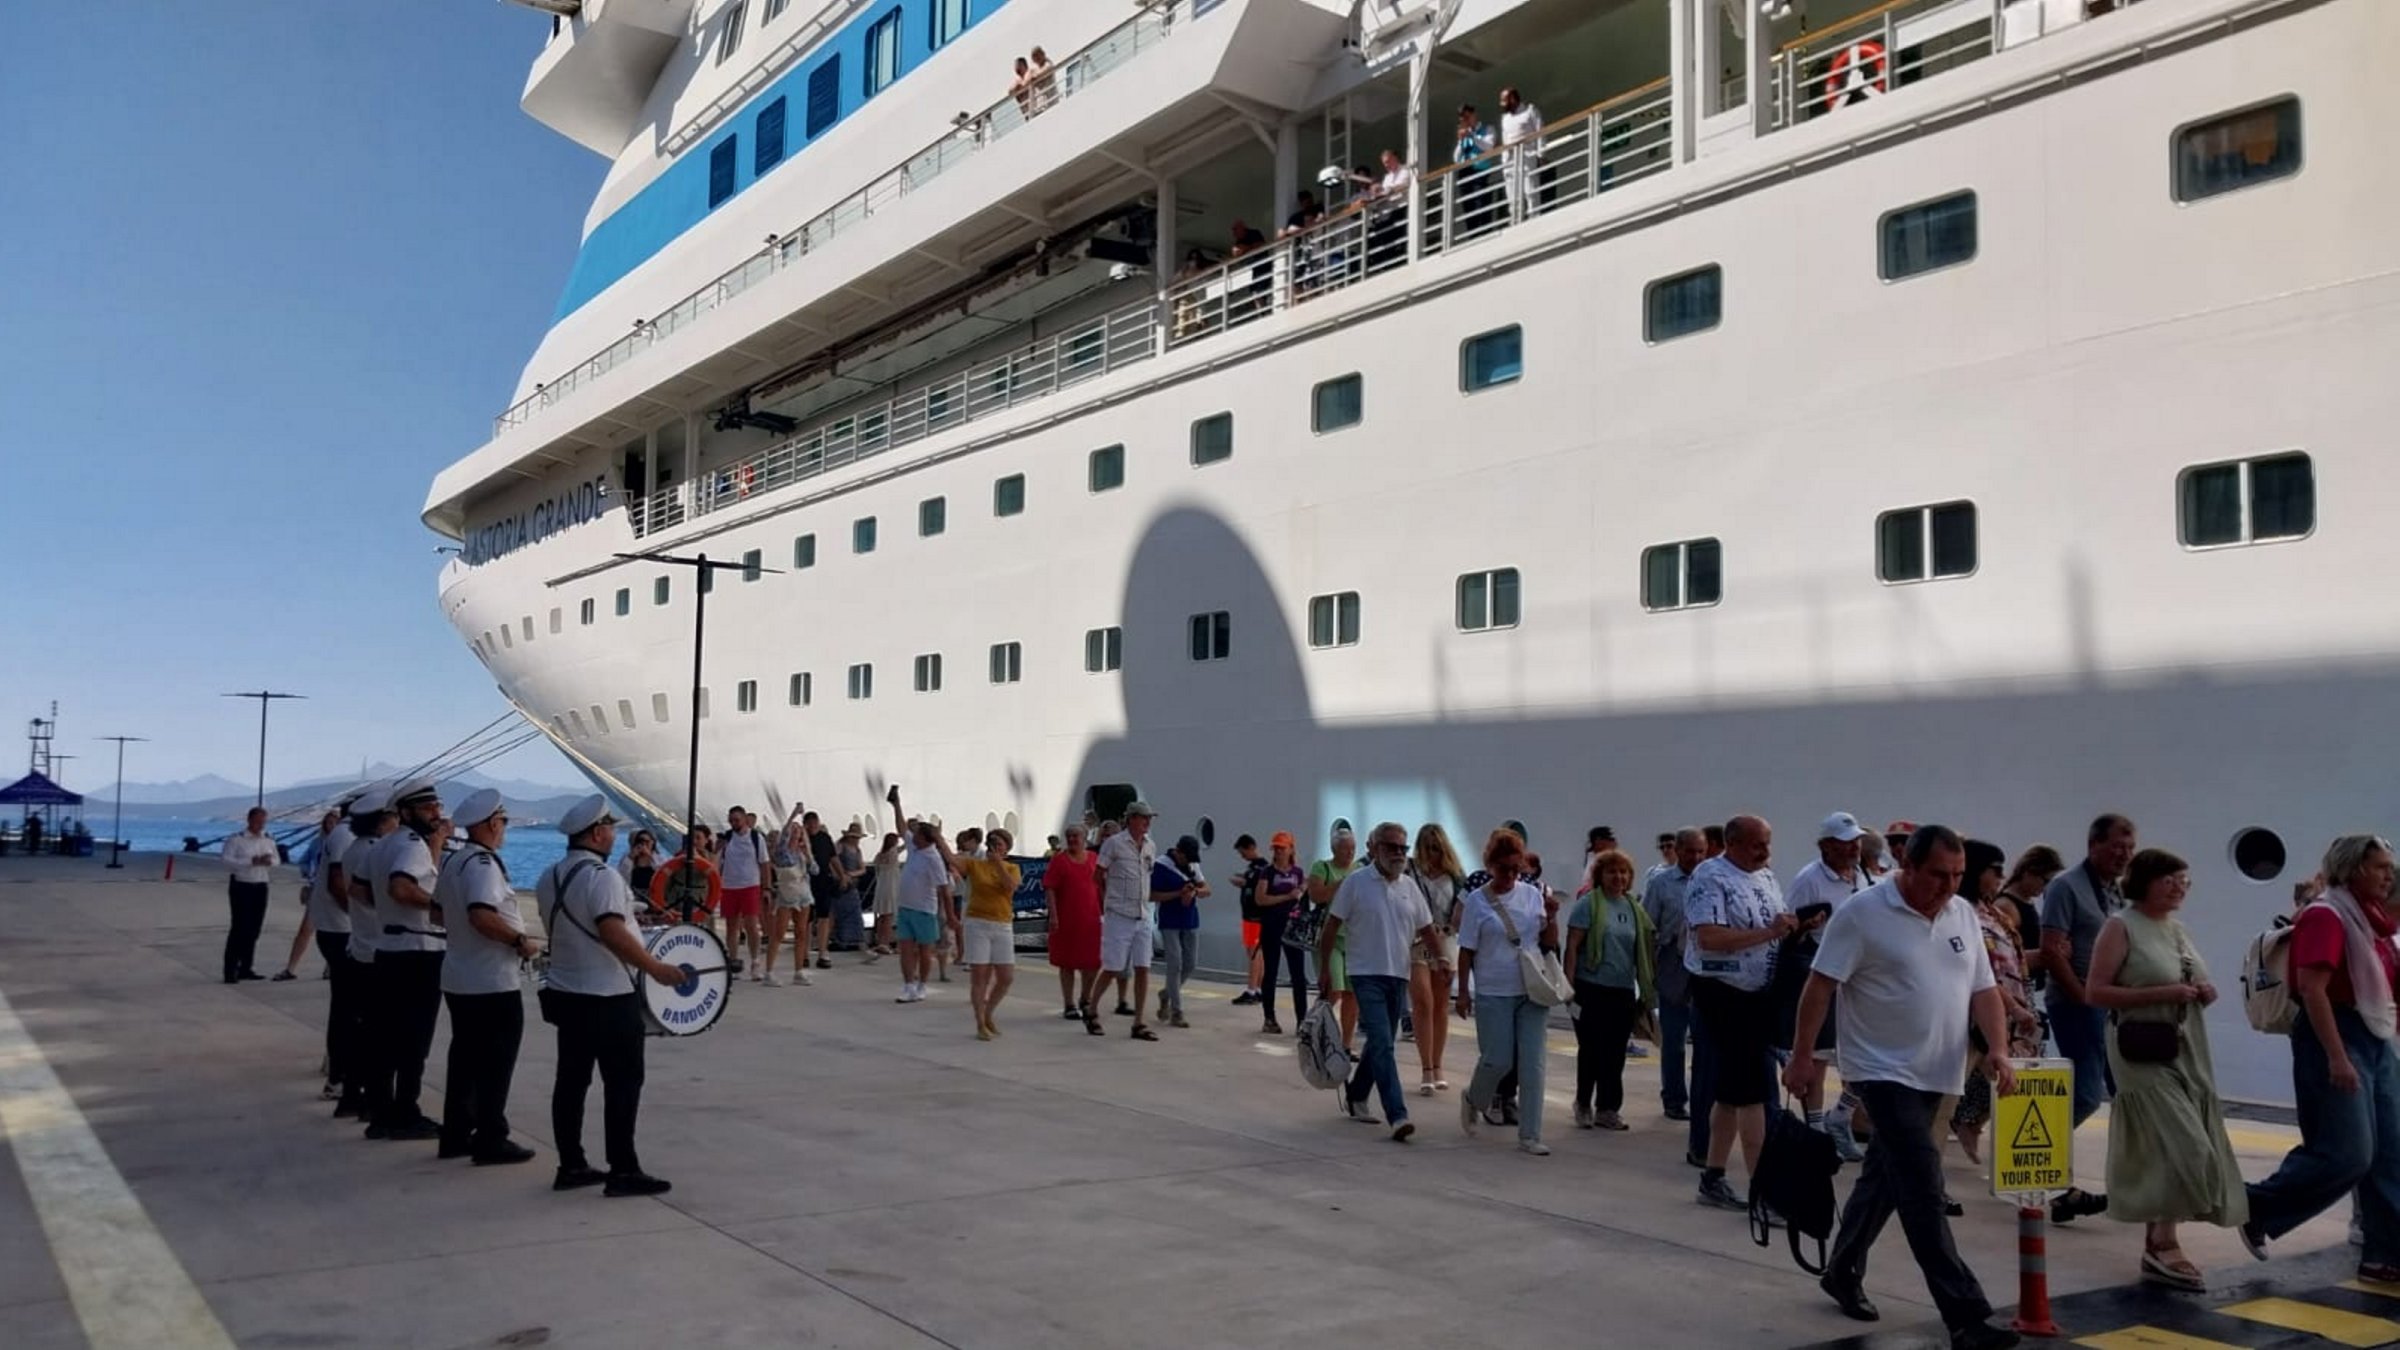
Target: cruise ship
[1670, 433]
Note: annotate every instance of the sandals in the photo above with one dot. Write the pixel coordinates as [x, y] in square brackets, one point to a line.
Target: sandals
[2173, 1269]
[1143, 1033]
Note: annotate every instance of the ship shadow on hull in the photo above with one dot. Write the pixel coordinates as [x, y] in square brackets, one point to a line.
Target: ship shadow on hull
[2195, 756]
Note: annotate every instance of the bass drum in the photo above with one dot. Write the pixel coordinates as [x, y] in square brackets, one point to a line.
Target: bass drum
[693, 1006]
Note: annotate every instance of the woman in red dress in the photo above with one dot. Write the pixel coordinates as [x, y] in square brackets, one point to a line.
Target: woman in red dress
[1072, 880]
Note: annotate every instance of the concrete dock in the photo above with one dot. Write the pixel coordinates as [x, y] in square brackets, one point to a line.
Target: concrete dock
[853, 1173]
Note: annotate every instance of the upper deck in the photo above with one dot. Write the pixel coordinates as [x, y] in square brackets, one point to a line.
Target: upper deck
[1013, 177]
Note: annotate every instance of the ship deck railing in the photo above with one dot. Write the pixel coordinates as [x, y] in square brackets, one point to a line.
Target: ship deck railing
[1152, 24]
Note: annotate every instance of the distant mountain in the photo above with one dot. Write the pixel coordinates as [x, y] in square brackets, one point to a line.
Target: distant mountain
[206, 786]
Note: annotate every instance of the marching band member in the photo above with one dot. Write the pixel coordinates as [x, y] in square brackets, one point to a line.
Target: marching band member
[369, 1087]
[408, 953]
[479, 983]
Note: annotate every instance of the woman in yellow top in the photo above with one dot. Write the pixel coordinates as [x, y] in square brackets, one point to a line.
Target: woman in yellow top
[990, 927]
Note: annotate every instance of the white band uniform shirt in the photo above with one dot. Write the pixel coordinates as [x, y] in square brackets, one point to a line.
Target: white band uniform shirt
[1481, 931]
[1380, 917]
[1724, 895]
[473, 878]
[404, 851]
[1907, 983]
[358, 862]
[251, 856]
[921, 880]
[325, 909]
[1817, 884]
[578, 963]
[1126, 863]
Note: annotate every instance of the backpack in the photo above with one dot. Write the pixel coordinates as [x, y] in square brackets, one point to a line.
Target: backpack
[1794, 1183]
[1323, 1061]
[2266, 980]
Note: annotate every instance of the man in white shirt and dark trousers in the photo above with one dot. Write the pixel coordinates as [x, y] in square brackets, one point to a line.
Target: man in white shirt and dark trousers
[329, 915]
[408, 954]
[369, 1084]
[588, 913]
[479, 984]
[1907, 955]
[249, 856]
[1383, 910]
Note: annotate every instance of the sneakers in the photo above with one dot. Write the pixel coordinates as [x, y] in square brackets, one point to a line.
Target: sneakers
[800, 977]
[1177, 1020]
[576, 1178]
[1071, 1015]
[823, 964]
[1583, 1117]
[911, 993]
[1469, 1119]
[771, 980]
[1845, 1141]
[1403, 1130]
[1609, 1120]
[635, 1183]
[1271, 1028]
[2077, 1204]
[2255, 1242]
[1356, 1110]
[1637, 1050]
[1245, 998]
[1533, 1146]
[1718, 1193]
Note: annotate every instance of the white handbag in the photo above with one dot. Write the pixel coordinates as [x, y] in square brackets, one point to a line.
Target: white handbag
[1546, 980]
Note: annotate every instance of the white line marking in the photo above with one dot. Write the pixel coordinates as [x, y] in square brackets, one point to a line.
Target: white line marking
[129, 1291]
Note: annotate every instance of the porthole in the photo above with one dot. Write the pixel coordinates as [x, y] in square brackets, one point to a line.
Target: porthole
[2258, 853]
[1208, 833]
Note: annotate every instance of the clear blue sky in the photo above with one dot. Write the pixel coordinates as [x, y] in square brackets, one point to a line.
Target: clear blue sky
[268, 265]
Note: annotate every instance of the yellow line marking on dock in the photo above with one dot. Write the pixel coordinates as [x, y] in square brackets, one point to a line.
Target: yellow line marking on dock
[129, 1291]
[2151, 1338]
[2334, 1324]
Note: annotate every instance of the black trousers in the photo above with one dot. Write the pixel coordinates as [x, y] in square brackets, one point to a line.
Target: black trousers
[370, 1081]
[1275, 956]
[1600, 1036]
[603, 1032]
[411, 987]
[248, 901]
[342, 1024]
[1903, 1174]
[485, 1030]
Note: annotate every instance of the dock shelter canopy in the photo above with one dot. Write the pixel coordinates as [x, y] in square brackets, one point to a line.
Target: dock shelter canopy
[35, 790]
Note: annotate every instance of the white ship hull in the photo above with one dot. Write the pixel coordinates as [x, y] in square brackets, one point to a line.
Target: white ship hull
[2104, 339]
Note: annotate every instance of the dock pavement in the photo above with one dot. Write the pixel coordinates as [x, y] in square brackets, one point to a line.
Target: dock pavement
[853, 1173]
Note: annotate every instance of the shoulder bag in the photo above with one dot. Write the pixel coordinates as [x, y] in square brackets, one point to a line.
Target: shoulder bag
[1545, 979]
[2150, 1042]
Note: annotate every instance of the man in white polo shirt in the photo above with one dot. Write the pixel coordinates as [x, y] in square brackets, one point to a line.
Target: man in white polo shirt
[369, 1084]
[249, 859]
[1126, 861]
[1907, 955]
[408, 952]
[488, 945]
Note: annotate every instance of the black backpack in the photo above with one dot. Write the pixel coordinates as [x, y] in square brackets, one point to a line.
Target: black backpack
[1794, 1182]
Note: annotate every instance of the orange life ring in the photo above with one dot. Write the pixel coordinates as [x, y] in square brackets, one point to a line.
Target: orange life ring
[1858, 72]
[662, 884]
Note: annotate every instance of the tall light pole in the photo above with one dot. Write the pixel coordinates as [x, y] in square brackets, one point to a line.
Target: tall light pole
[116, 831]
[703, 568]
[264, 697]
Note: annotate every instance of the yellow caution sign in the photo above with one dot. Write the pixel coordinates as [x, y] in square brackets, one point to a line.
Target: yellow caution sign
[2033, 1133]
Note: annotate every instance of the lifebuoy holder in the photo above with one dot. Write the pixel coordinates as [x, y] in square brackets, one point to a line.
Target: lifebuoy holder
[663, 885]
[1859, 72]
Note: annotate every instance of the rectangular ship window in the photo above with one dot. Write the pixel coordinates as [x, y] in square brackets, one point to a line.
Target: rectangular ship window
[1103, 650]
[862, 681]
[1683, 575]
[1336, 404]
[658, 709]
[1927, 237]
[1906, 538]
[745, 696]
[624, 601]
[1008, 495]
[625, 713]
[949, 20]
[660, 589]
[933, 516]
[1490, 359]
[804, 552]
[1487, 600]
[599, 720]
[729, 37]
[824, 95]
[803, 689]
[1008, 662]
[2237, 150]
[929, 673]
[1212, 439]
[753, 566]
[1107, 468]
[1681, 305]
[721, 168]
[588, 611]
[769, 151]
[862, 535]
[1333, 620]
[2247, 501]
[1212, 635]
[555, 623]
[883, 54]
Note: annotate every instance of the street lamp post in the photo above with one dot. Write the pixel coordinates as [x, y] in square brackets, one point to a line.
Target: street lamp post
[116, 830]
[703, 568]
[264, 697]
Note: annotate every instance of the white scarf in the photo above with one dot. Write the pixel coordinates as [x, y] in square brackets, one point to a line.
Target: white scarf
[2369, 992]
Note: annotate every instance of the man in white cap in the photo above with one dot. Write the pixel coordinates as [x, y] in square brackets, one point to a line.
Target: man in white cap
[1815, 892]
[588, 913]
[488, 945]
[369, 1084]
[329, 916]
[1126, 862]
[408, 953]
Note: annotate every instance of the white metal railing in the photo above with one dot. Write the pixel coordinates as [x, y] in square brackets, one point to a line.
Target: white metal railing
[1609, 145]
[1068, 77]
[1866, 57]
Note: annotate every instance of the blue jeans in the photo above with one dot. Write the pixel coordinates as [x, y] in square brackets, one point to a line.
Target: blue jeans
[1674, 1025]
[1380, 1001]
[1509, 1031]
[2082, 1035]
[2345, 1138]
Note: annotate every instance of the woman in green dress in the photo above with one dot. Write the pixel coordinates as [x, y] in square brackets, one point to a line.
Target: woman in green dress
[2168, 1158]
